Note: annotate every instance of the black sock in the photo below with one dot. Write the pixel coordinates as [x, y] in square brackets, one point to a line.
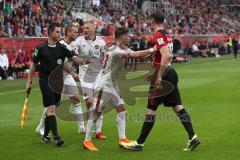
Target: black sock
[146, 128]
[52, 123]
[47, 129]
[186, 121]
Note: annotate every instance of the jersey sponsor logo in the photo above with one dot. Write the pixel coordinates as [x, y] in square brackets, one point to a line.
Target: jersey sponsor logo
[59, 61]
[96, 46]
[160, 41]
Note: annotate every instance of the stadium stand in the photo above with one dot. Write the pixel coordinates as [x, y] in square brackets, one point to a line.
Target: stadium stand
[194, 19]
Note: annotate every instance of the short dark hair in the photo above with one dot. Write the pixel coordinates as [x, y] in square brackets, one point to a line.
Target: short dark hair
[51, 27]
[158, 17]
[68, 28]
[120, 31]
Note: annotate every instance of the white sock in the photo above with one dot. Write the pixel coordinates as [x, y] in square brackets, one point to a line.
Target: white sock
[89, 129]
[99, 124]
[77, 111]
[121, 124]
[42, 120]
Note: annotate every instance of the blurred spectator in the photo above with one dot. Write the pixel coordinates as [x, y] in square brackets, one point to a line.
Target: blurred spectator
[229, 45]
[185, 16]
[195, 50]
[11, 68]
[21, 62]
[235, 46]
[203, 49]
[38, 30]
[222, 48]
[3, 64]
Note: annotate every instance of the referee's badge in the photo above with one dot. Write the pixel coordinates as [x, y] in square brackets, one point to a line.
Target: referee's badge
[59, 61]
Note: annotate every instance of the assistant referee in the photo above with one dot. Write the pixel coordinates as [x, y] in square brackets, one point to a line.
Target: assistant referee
[49, 56]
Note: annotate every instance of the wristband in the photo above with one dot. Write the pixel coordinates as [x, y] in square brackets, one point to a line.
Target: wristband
[151, 50]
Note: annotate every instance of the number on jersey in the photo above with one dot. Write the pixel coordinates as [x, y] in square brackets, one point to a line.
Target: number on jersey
[105, 59]
[170, 48]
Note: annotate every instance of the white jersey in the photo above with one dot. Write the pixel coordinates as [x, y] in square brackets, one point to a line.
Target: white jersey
[92, 50]
[70, 47]
[112, 66]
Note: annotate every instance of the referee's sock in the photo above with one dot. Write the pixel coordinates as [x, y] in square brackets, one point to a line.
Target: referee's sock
[146, 128]
[46, 129]
[52, 123]
[186, 121]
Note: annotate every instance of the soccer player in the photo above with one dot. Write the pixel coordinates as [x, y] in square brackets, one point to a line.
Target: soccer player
[70, 87]
[163, 71]
[107, 92]
[89, 47]
[50, 55]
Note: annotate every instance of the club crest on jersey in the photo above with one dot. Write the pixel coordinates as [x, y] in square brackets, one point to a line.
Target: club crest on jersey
[160, 41]
[59, 61]
[97, 46]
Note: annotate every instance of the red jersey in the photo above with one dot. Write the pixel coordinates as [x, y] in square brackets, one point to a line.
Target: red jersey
[11, 58]
[161, 39]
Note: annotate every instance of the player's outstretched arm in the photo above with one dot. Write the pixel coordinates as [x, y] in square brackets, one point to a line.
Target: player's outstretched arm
[143, 53]
[78, 60]
[69, 71]
[30, 75]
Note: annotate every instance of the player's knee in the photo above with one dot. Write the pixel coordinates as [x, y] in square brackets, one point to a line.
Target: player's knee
[120, 108]
[75, 100]
[150, 112]
[89, 102]
[177, 108]
[51, 110]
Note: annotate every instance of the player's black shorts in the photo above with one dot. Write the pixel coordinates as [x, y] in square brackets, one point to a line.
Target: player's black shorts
[49, 97]
[170, 98]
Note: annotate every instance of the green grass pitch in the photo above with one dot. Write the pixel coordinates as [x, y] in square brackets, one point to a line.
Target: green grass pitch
[210, 91]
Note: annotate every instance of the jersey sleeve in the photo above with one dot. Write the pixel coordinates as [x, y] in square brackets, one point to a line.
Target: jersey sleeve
[160, 40]
[69, 54]
[119, 53]
[36, 55]
[75, 46]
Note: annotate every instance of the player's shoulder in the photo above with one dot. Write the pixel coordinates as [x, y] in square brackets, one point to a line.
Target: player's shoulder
[61, 44]
[161, 33]
[62, 41]
[113, 48]
[44, 44]
[79, 38]
[100, 39]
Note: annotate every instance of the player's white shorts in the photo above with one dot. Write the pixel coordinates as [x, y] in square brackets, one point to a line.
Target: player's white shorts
[70, 87]
[87, 89]
[107, 96]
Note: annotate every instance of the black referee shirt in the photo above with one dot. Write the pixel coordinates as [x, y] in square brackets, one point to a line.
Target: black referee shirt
[50, 57]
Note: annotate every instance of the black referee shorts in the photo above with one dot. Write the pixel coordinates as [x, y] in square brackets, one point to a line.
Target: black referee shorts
[49, 97]
[170, 99]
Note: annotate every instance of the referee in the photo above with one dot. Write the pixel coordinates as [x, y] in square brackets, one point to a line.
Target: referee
[50, 55]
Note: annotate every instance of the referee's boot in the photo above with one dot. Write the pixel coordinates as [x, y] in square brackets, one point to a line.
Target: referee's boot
[46, 140]
[58, 141]
[192, 144]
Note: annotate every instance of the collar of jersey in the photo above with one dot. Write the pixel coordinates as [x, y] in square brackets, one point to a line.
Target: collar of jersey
[90, 39]
[52, 46]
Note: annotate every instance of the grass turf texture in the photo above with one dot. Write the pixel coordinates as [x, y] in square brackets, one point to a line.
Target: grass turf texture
[210, 92]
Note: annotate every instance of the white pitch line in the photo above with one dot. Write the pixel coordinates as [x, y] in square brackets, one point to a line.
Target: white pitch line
[17, 91]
